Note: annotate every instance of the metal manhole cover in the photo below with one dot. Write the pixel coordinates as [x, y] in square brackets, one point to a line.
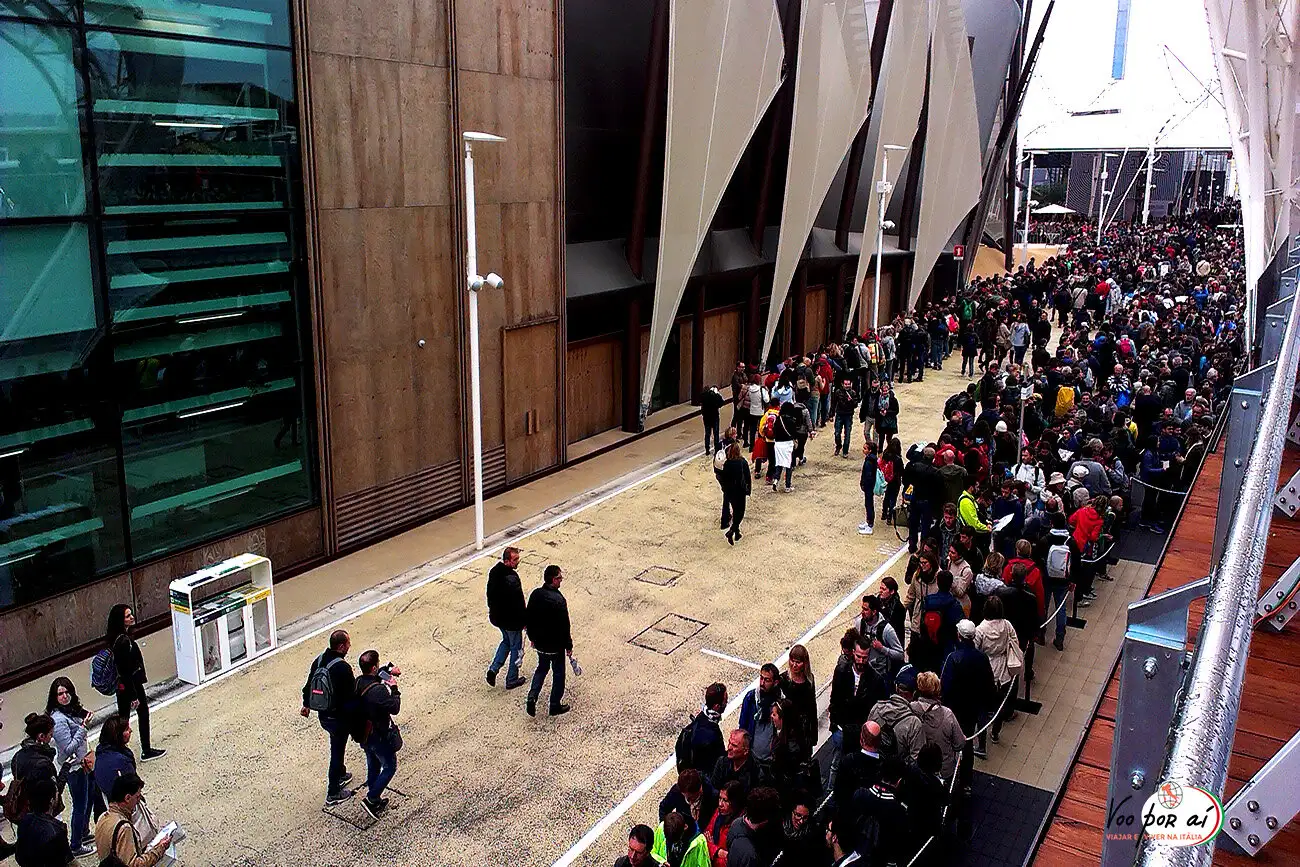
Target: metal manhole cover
[660, 576]
[668, 633]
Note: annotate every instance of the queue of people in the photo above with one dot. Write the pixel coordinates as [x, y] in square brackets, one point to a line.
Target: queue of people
[1096, 380]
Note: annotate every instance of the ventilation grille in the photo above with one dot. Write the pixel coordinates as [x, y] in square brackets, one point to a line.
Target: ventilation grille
[374, 512]
[494, 469]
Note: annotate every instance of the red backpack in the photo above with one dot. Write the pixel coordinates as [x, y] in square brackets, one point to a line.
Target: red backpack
[931, 626]
[886, 469]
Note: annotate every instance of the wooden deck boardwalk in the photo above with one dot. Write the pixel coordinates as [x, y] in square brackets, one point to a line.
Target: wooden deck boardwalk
[1270, 707]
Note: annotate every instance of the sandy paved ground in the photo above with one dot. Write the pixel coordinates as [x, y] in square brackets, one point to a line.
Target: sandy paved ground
[485, 783]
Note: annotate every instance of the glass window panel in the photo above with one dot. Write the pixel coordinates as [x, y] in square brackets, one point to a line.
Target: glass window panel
[262, 21]
[45, 283]
[212, 424]
[60, 498]
[41, 171]
[190, 127]
[63, 11]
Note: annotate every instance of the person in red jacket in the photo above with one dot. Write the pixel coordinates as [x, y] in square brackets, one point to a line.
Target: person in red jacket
[1034, 575]
[1085, 530]
[731, 803]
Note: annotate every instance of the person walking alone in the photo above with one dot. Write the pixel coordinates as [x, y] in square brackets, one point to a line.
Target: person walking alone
[507, 611]
[131, 676]
[736, 487]
[330, 690]
[551, 637]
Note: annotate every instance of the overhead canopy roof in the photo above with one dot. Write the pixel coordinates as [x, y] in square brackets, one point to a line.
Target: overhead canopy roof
[1099, 85]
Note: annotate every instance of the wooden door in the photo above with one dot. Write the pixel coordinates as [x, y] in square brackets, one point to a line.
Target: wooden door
[530, 380]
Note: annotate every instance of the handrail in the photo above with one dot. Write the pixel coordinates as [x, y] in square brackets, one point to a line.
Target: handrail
[1205, 721]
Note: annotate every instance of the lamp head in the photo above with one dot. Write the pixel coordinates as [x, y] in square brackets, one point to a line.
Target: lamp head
[469, 135]
[888, 224]
[494, 280]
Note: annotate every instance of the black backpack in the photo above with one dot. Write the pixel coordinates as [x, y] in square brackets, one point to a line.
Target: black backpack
[685, 749]
[320, 688]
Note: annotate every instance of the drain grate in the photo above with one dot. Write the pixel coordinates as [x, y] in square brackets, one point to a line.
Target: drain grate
[668, 633]
[660, 576]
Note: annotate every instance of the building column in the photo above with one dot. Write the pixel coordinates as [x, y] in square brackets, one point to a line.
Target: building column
[837, 304]
[798, 301]
[753, 343]
[632, 362]
[697, 347]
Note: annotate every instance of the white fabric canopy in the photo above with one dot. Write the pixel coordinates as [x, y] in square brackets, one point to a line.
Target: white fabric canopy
[894, 114]
[951, 178]
[1167, 90]
[832, 88]
[724, 67]
[1050, 210]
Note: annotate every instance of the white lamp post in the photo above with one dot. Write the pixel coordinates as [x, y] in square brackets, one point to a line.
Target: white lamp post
[1029, 199]
[1105, 173]
[883, 186]
[475, 283]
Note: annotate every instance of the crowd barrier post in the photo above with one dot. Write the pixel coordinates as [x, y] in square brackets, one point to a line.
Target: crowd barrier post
[1153, 662]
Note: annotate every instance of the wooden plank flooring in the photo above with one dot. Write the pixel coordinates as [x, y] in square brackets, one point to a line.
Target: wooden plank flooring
[1270, 708]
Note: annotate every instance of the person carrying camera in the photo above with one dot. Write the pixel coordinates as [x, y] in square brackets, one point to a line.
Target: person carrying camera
[378, 700]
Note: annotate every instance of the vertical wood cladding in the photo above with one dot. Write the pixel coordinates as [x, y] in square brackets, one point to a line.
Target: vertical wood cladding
[384, 99]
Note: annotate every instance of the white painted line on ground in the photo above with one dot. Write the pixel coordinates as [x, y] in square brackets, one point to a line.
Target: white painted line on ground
[670, 763]
[728, 658]
[93, 737]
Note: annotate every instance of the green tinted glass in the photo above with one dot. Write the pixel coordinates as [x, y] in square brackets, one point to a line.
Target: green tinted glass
[41, 171]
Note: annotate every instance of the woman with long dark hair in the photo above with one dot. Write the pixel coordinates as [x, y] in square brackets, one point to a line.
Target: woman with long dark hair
[73, 760]
[891, 465]
[131, 676]
[798, 685]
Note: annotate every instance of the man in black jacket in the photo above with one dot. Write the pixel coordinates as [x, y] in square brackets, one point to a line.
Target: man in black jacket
[927, 493]
[336, 720]
[42, 838]
[378, 700]
[507, 612]
[854, 690]
[548, 630]
[710, 407]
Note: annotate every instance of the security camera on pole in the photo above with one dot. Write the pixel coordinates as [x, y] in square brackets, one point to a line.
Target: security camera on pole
[476, 283]
[883, 188]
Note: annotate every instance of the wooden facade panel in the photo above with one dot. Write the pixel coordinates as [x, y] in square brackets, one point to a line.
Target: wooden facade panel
[384, 133]
[595, 388]
[529, 374]
[506, 37]
[524, 168]
[518, 240]
[387, 283]
[721, 346]
[814, 319]
[295, 539]
[412, 31]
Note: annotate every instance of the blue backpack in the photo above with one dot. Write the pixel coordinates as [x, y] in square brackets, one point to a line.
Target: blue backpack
[103, 673]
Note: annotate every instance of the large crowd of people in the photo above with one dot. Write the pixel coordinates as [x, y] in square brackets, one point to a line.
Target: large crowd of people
[1095, 380]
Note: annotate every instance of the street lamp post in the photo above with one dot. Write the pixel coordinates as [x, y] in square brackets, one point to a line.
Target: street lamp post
[883, 186]
[1105, 173]
[1029, 202]
[474, 284]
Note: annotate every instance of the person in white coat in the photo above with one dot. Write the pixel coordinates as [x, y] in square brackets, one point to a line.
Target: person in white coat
[996, 637]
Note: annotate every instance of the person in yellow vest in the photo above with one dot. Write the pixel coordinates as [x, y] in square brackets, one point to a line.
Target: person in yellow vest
[678, 843]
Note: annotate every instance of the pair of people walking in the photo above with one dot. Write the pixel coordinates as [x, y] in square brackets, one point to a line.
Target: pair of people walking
[545, 617]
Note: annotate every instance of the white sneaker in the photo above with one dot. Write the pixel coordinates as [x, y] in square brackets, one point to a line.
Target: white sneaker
[862, 528]
[870, 529]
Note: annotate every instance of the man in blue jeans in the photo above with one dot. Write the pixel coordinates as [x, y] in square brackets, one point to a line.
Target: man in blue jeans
[335, 718]
[549, 632]
[506, 611]
[378, 700]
